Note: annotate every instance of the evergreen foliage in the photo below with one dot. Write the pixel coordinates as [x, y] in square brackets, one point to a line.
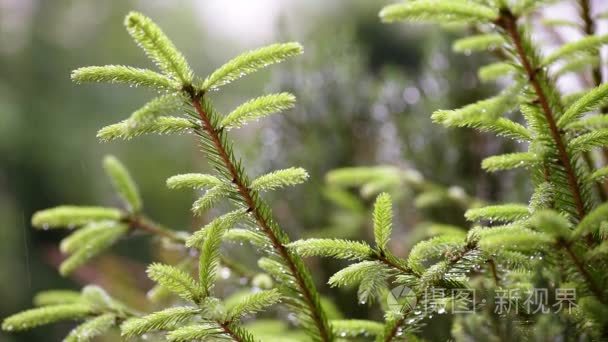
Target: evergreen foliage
[556, 241]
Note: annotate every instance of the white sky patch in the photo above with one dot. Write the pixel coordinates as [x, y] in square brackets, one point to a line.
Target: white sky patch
[243, 21]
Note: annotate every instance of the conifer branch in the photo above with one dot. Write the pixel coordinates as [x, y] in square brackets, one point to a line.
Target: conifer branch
[145, 224]
[244, 189]
[508, 21]
[394, 327]
[589, 29]
[593, 286]
[596, 73]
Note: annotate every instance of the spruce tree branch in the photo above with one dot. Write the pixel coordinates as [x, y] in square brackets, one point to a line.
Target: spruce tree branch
[382, 258]
[589, 28]
[226, 328]
[452, 261]
[596, 72]
[508, 22]
[593, 286]
[395, 329]
[145, 224]
[247, 196]
[494, 271]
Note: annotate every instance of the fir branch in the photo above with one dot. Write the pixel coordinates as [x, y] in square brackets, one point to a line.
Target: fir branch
[354, 274]
[143, 223]
[510, 161]
[129, 129]
[258, 108]
[588, 141]
[92, 328]
[84, 235]
[69, 216]
[383, 220]
[280, 178]
[253, 303]
[580, 266]
[599, 175]
[480, 42]
[250, 62]
[159, 106]
[502, 212]
[159, 320]
[592, 100]
[44, 315]
[123, 74]
[336, 248]
[393, 327]
[264, 221]
[509, 23]
[54, 297]
[429, 10]
[210, 198]
[175, 280]
[193, 181]
[222, 224]
[102, 241]
[353, 328]
[494, 71]
[123, 183]
[158, 47]
[194, 332]
[586, 44]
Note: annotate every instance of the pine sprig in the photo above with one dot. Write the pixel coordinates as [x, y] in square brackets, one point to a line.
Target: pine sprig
[54, 297]
[494, 71]
[103, 240]
[258, 108]
[290, 269]
[92, 328]
[123, 183]
[250, 62]
[353, 328]
[159, 320]
[224, 223]
[44, 315]
[84, 235]
[335, 248]
[253, 303]
[69, 216]
[502, 213]
[430, 10]
[123, 74]
[583, 45]
[383, 220]
[175, 280]
[159, 106]
[280, 178]
[193, 181]
[480, 42]
[355, 273]
[158, 47]
[128, 129]
[592, 100]
[194, 332]
[510, 161]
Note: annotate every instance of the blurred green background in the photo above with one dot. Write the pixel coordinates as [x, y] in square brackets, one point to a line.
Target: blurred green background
[365, 93]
